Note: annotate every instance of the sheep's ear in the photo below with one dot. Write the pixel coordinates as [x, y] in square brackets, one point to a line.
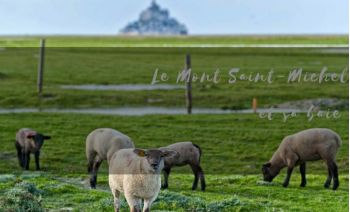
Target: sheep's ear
[169, 153]
[267, 164]
[140, 152]
[47, 137]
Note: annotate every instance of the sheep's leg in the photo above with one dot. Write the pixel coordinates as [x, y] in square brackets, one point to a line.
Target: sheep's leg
[116, 195]
[201, 176]
[19, 154]
[302, 172]
[93, 175]
[90, 169]
[24, 159]
[291, 160]
[27, 160]
[196, 169]
[335, 176]
[166, 173]
[37, 155]
[134, 203]
[147, 204]
[329, 178]
[135, 209]
[289, 173]
[91, 155]
[332, 173]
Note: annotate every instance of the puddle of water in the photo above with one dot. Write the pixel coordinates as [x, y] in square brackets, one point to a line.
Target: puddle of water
[334, 50]
[139, 111]
[124, 87]
[19, 110]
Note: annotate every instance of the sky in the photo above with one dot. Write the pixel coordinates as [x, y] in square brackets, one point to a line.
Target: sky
[206, 17]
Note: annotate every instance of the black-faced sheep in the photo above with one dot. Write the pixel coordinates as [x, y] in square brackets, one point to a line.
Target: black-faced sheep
[29, 141]
[307, 145]
[188, 154]
[101, 144]
[136, 173]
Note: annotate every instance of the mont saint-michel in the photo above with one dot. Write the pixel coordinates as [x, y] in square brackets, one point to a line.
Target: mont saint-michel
[155, 21]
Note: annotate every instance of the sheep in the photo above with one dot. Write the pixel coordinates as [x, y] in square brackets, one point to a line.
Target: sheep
[189, 153]
[29, 141]
[308, 145]
[101, 144]
[136, 173]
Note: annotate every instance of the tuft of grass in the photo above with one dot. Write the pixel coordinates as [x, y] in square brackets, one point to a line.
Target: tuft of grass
[23, 196]
[265, 183]
[7, 177]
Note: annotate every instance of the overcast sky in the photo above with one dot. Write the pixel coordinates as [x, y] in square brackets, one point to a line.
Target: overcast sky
[201, 17]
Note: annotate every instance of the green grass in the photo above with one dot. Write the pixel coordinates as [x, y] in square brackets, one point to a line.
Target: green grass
[225, 193]
[131, 41]
[234, 148]
[234, 143]
[65, 66]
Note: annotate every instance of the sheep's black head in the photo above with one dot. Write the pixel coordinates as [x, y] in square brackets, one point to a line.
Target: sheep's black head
[38, 139]
[268, 173]
[155, 157]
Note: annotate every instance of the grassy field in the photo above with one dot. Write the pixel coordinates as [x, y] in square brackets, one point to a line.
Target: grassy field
[131, 41]
[234, 148]
[226, 193]
[234, 145]
[109, 66]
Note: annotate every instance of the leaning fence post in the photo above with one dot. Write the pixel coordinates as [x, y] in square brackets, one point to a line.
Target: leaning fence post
[41, 66]
[188, 84]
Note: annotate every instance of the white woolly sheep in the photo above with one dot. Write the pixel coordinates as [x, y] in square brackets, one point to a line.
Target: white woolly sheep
[308, 145]
[101, 144]
[136, 173]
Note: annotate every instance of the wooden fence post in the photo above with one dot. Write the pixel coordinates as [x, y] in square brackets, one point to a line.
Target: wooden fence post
[41, 66]
[254, 104]
[188, 84]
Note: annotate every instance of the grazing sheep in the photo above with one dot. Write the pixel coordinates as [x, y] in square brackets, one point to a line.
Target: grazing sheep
[101, 144]
[307, 145]
[29, 141]
[136, 173]
[189, 153]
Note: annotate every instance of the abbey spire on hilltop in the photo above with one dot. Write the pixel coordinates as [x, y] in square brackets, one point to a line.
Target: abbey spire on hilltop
[155, 21]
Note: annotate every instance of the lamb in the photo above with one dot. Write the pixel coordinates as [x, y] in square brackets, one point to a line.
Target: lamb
[308, 145]
[136, 173]
[189, 153]
[101, 144]
[29, 141]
